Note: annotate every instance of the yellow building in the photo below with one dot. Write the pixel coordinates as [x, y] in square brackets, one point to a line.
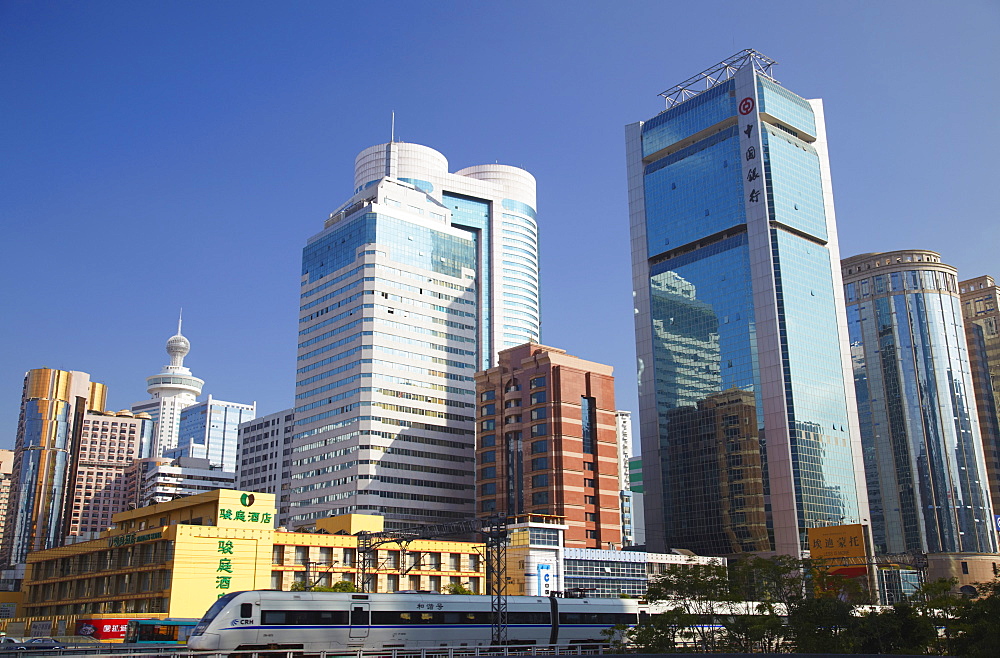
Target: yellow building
[174, 559]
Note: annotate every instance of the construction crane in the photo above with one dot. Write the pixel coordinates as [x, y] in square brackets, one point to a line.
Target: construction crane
[494, 532]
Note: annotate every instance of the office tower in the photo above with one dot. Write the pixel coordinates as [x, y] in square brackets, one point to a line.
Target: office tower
[981, 311]
[261, 452]
[547, 442]
[172, 389]
[6, 470]
[923, 451]
[412, 285]
[742, 351]
[53, 406]
[210, 430]
[105, 446]
[161, 480]
[623, 430]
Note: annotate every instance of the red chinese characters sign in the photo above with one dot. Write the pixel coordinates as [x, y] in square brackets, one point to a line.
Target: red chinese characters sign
[102, 629]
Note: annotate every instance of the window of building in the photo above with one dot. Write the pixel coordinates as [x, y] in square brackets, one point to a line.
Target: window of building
[539, 463]
[537, 382]
[591, 534]
[538, 397]
[540, 446]
[488, 457]
[590, 500]
[488, 410]
[588, 413]
[590, 516]
[541, 413]
[488, 425]
[540, 498]
[511, 403]
[540, 430]
[488, 472]
[541, 480]
[588, 466]
[488, 489]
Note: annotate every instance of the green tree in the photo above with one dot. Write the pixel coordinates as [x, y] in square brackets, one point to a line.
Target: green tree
[822, 624]
[656, 634]
[937, 601]
[978, 623]
[697, 594]
[763, 590]
[341, 586]
[902, 629]
[457, 588]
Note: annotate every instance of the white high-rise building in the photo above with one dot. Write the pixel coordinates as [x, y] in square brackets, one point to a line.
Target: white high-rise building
[413, 285]
[172, 389]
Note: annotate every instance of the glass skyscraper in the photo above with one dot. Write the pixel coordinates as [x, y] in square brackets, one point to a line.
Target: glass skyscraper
[922, 445]
[414, 284]
[210, 430]
[748, 423]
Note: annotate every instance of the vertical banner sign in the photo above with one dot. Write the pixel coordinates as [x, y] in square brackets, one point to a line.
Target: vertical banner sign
[544, 579]
[751, 149]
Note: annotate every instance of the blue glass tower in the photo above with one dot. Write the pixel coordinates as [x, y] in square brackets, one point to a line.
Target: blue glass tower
[747, 416]
[922, 445]
[210, 430]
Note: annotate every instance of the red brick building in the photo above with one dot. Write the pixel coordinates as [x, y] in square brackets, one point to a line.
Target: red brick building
[546, 442]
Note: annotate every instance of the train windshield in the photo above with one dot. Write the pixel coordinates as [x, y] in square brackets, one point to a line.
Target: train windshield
[213, 612]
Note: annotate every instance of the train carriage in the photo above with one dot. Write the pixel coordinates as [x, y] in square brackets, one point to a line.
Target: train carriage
[325, 621]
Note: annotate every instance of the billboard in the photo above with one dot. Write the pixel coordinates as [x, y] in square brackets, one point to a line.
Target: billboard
[837, 541]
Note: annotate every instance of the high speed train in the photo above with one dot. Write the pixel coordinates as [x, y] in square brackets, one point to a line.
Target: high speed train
[324, 621]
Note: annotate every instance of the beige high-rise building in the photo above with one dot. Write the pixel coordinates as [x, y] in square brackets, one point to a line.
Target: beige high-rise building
[103, 448]
[6, 466]
[981, 310]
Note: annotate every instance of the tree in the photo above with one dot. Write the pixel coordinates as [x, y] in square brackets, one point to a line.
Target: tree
[937, 601]
[978, 623]
[457, 588]
[822, 625]
[341, 586]
[901, 629]
[697, 594]
[655, 634]
[768, 588]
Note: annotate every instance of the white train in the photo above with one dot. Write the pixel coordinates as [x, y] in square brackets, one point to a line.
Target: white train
[325, 621]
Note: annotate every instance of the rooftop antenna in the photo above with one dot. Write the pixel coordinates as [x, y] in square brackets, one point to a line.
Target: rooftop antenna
[180, 318]
[392, 131]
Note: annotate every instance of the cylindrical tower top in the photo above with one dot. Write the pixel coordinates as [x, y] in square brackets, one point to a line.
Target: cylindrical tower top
[863, 266]
[397, 160]
[516, 182]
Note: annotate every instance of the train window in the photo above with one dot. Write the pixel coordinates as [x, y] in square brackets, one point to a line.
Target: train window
[359, 615]
[246, 610]
[426, 617]
[272, 618]
[303, 617]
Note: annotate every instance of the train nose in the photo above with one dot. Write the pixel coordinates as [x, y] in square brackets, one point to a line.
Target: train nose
[205, 642]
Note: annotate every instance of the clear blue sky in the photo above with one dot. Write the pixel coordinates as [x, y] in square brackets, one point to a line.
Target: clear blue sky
[167, 154]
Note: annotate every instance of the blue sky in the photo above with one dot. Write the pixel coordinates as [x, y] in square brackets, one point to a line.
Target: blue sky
[167, 154]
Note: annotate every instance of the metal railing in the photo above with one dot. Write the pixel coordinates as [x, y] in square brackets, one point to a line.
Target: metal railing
[152, 651]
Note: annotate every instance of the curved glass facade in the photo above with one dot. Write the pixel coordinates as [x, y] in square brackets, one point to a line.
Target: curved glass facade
[923, 450]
